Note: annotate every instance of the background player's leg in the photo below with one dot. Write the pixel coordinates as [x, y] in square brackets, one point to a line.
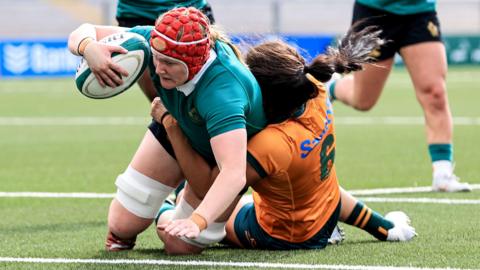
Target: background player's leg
[362, 89]
[427, 65]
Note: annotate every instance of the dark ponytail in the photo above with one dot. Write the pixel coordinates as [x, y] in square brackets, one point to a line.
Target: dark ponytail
[352, 52]
[281, 71]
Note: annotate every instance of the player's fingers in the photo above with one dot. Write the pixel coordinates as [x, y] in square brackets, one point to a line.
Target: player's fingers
[99, 80]
[183, 232]
[191, 234]
[155, 112]
[169, 227]
[115, 77]
[174, 231]
[107, 80]
[155, 104]
[118, 69]
[118, 49]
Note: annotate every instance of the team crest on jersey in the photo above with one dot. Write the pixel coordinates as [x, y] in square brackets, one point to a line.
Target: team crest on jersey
[433, 29]
[194, 116]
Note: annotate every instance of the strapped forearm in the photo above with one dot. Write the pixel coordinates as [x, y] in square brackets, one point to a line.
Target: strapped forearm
[230, 150]
[80, 37]
[221, 194]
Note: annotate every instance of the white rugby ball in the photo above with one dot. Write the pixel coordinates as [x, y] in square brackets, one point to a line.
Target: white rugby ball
[134, 61]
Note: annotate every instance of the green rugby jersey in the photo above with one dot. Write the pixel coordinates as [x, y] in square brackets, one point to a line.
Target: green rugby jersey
[225, 98]
[401, 7]
[151, 9]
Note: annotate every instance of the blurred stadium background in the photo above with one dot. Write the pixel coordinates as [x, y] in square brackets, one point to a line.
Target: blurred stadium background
[60, 152]
[33, 43]
[56, 18]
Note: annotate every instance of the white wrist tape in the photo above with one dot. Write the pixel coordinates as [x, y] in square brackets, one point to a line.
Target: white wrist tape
[183, 209]
[140, 194]
[214, 233]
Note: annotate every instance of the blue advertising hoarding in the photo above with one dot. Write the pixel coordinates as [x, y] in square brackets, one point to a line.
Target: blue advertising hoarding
[36, 58]
[51, 58]
[308, 45]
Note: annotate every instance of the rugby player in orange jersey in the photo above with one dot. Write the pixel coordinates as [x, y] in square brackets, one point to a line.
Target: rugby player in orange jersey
[297, 200]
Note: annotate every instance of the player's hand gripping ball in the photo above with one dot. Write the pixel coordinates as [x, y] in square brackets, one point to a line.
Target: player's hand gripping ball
[134, 61]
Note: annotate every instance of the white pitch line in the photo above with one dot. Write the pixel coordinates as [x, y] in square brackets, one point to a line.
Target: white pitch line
[358, 192]
[95, 121]
[73, 121]
[77, 195]
[381, 191]
[418, 200]
[400, 120]
[217, 264]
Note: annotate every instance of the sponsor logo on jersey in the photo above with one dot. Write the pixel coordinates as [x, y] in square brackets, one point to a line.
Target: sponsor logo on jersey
[195, 116]
[308, 145]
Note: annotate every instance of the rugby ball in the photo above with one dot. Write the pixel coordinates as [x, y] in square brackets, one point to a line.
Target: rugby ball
[134, 61]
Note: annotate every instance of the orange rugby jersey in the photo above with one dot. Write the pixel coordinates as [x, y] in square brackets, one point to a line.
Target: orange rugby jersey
[299, 191]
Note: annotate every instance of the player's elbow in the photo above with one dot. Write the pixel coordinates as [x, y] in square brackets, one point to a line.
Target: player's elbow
[235, 176]
[241, 181]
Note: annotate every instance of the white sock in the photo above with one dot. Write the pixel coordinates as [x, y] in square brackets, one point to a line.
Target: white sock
[442, 168]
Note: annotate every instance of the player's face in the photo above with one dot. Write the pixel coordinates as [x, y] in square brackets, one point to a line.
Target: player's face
[172, 72]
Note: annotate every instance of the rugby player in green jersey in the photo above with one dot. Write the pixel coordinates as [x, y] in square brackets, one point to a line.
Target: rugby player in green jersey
[412, 29]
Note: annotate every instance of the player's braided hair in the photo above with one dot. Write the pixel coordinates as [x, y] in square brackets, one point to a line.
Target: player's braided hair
[280, 69]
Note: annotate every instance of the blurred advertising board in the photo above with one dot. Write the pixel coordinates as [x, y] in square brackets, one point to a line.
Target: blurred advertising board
[463, 49]
[36, 58]
[51, 58]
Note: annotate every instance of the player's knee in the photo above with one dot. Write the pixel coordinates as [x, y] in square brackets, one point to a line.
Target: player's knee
[140, 194]
[363, 106]
[120, 229]
[434, 96]
[176, 246]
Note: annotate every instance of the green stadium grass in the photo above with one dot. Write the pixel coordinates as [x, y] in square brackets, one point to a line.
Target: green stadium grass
[87, 158]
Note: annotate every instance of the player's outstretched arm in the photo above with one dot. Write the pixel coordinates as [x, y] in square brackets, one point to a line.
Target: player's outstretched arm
[83, 42]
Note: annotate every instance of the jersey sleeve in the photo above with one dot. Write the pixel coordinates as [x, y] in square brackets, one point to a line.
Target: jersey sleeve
[270, 152]
[142, 30]
[223, 105]
[145, 32]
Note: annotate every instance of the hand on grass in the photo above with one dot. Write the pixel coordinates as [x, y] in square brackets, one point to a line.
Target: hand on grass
[181, 227]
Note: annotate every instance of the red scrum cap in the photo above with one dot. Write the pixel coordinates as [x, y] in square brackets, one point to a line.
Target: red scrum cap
[183, 34]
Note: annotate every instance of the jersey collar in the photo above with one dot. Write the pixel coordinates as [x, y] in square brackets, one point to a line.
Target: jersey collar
[188, 88]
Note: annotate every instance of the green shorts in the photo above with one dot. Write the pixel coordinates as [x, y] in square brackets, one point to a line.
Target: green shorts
[253, 236]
